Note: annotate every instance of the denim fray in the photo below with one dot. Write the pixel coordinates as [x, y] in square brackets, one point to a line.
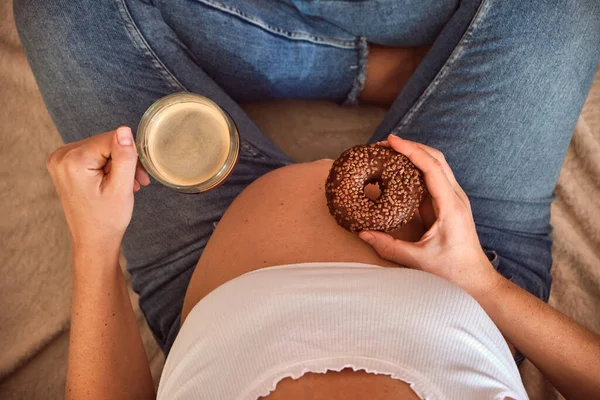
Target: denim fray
[359, 80]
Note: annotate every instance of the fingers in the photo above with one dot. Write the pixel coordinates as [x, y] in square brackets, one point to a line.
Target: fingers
[123, 159]
[449, 173]
[111, 155]
[92, 153]
[107, 167]
[438, 185]
[398, 251]
[95, 151]
[439, 156]
[141, 176]
[427, 212]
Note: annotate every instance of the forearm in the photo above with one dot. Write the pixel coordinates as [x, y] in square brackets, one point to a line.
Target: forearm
[107, 359]
[565, 352]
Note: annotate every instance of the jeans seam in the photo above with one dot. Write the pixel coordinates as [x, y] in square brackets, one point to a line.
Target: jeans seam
[299, 36]
[443, 73]
[139, 41]
[359, 80]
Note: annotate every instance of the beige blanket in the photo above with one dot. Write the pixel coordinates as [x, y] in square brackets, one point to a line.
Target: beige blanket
[34, 249]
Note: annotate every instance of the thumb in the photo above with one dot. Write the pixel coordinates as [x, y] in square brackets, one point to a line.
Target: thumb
[396, 250]
[124, 160]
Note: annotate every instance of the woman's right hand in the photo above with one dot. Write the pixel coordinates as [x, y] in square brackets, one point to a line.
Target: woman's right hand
[95, 179]
[450, 247]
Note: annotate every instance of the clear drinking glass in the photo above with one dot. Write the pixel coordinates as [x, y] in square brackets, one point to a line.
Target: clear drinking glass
[188, 143]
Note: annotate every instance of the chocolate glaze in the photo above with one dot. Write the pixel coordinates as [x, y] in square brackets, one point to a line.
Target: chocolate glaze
[402, 189]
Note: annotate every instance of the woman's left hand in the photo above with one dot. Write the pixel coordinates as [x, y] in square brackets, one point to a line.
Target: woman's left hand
[95, 180]
[450, 248]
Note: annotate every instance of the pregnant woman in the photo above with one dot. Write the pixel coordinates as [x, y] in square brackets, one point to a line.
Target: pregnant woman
[277, 300]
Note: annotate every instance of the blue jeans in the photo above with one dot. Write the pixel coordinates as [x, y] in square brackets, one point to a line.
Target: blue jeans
[499, 93]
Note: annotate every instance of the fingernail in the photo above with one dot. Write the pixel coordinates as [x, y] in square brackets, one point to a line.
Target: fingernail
[124, 136]
[367, 237]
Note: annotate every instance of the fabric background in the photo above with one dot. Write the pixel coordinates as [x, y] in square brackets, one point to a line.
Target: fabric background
[34, 246]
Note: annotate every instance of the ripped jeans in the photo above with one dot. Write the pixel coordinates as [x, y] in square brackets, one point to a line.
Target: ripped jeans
[499, 94]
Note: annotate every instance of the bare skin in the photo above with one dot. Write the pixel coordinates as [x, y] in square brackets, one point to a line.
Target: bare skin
[346, 384]
[388, 70]
[281, 219]
[265, 227]
[96, 179]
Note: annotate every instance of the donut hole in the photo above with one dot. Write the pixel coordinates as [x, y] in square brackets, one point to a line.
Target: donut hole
[372, 190]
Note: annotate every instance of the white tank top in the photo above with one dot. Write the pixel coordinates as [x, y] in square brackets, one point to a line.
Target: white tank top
[278, 322]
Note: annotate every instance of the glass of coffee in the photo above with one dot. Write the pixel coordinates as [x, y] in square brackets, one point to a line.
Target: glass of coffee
[188, 143]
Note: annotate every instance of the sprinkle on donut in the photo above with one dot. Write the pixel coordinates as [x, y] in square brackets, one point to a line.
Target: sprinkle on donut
[401, 183]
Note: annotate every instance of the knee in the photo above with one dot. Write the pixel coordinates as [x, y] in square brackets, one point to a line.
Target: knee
[48, 23]
[546, 18]
[576, 21]
[578, 18]
[39, 20]
[557, 36]
[575, 27]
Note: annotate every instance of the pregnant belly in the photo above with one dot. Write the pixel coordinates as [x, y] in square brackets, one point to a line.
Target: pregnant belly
[281, 218]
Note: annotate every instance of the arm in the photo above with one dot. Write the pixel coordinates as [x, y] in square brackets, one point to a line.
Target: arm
[96, 179]
[107, 359]
[565, 352]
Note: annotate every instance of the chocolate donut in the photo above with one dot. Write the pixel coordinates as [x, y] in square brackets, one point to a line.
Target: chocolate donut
[401, 184]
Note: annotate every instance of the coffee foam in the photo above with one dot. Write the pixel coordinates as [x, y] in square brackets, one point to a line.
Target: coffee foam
[188, 143]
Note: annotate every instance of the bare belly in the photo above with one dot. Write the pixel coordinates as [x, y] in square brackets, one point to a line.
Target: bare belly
[346, 384]
[282, 218]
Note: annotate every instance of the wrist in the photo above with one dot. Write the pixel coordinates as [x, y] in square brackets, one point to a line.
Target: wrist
[98, 238]
[84, 244]
[486, 279]
[488, 284]
[92, 259]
